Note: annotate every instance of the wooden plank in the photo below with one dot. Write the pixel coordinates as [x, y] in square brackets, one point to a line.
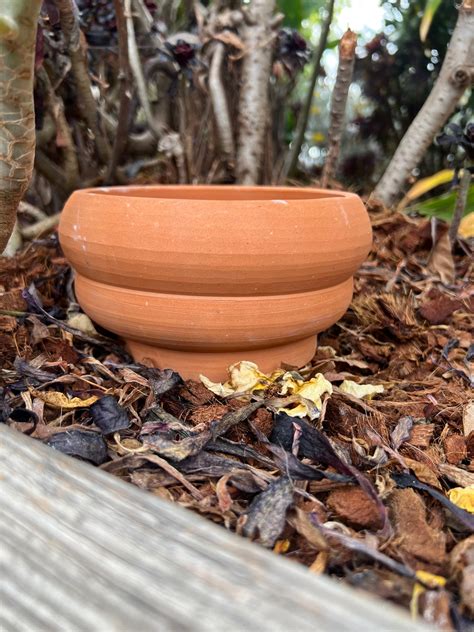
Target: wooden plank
[82, 550]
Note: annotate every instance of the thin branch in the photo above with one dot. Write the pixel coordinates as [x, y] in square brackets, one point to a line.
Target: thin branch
[70, 24]
[137, 70]
[40, 228]
[345, 70]
[219, 103]
[291, 162]
[56, 105]
[456, 74]
[125, 94]
[461, 203]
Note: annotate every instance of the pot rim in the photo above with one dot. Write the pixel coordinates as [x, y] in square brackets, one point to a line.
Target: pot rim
[238, 193]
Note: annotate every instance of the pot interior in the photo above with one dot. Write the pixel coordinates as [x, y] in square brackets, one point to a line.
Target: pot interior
[226, 193]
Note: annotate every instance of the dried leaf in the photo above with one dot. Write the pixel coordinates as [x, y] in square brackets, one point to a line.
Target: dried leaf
[401, 432]
[80, 443]
[441, 260]
[223, 497]
[82, 322]
[362, 391]
[267, 513]
[423, 472]
[108, 415]
[56, 399]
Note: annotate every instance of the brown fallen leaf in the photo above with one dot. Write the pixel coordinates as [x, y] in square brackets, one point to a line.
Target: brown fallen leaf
[56, 399]
[423, 472]
[441, 260]
[266, 516]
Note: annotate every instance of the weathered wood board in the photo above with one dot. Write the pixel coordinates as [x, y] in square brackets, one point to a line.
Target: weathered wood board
[82, 550]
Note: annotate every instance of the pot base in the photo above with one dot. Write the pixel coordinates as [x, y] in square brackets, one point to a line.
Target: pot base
[191, 364]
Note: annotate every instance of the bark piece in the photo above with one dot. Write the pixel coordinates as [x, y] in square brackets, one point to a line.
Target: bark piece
[414, 536]
[354, 506]
[455, 449]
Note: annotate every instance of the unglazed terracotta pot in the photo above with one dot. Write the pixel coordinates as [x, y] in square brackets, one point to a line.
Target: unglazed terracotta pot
[195, 278]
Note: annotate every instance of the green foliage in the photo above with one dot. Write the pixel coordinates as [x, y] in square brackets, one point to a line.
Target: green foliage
[295, 11]
[430, 9]
[442, 206]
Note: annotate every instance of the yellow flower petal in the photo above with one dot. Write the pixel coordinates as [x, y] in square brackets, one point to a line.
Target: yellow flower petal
[312, 390]
[430, 580]
[463, 497]
[361, 391]
[222, 390]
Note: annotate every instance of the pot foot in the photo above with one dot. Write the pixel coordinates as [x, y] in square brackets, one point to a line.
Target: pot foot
[191, 364]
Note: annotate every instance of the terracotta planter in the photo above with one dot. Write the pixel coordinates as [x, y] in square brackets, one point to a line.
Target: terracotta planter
[196, 278]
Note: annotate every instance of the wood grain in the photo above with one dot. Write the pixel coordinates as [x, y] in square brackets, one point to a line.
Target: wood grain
[82, 550]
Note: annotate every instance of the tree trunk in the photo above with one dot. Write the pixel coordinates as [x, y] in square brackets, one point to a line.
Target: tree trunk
[18, 22]
[253, 106]
[457, 73]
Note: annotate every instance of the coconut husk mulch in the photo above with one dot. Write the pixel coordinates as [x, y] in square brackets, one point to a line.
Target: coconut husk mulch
[378, 492]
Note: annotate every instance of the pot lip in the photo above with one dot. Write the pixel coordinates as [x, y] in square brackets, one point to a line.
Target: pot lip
[204, 193]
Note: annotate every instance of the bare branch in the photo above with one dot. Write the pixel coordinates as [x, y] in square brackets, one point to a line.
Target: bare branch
[291, 162]
[345, 71]
[219, 103]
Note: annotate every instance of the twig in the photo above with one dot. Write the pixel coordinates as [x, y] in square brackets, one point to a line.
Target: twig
[70, 24]
[219, 103]
[253, 103]
[456, 74]
[292, 159]
[345, 71]
[136, 68]
[125, 98]
[39, 228]
[56, 105]
[461, 202]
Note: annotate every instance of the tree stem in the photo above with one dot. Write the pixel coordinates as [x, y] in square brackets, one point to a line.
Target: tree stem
[291, 162]
[456, 74]
[345, 70]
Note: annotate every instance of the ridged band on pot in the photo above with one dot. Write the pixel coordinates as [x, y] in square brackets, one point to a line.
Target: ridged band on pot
[211, 240]
[212, 323]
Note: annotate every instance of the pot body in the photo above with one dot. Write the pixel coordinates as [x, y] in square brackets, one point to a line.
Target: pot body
[198, 277]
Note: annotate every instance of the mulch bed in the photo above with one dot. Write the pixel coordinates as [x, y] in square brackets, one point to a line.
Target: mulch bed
[378, 492]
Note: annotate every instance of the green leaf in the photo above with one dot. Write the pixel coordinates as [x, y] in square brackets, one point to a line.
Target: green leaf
[442, 206]
[430, 9]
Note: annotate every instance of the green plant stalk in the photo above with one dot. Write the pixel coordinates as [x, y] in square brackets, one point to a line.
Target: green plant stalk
[18, 23]
[291, 161]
